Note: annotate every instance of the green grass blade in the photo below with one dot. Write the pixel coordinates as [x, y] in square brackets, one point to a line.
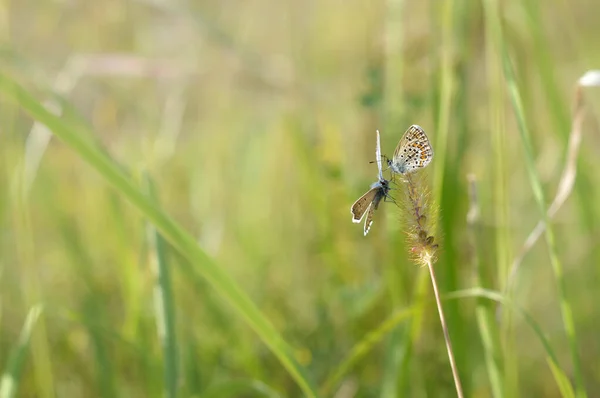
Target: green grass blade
[536, 185]
[106, 375]
[551, 358]
[239, 388]
[12, 374]
[164, 300]
[177, 236]
[500, 298]
[446, 84]
[485, 318]
[363, 347]
[564, 385]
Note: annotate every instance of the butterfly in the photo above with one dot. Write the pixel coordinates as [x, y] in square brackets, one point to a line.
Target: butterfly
[368, 203]
[413, 151]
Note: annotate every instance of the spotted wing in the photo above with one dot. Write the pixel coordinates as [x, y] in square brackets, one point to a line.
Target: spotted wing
[362, 204]
[413, 151]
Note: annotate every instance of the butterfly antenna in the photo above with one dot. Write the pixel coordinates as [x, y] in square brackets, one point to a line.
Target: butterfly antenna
[388, 161]
[385, 158]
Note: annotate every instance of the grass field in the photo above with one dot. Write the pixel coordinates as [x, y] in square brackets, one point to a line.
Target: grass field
[176, 179]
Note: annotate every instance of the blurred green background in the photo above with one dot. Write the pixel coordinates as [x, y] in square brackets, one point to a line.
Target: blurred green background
[255, 122]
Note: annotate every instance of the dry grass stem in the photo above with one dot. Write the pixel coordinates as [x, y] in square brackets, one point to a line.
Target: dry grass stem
[438, 301]
[567, 179]
[85, 65]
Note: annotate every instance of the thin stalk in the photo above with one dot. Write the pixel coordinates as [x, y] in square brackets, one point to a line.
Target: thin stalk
[164, 300]
[487, 330]
[421, 220]
[567, 179]
[376, 336]
[514, 94]
[400, 342]
[557, 268]
[12, 375]
[438, 301]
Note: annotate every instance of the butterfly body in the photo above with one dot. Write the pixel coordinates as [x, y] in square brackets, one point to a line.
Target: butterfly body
[413, 151]
[369, 202]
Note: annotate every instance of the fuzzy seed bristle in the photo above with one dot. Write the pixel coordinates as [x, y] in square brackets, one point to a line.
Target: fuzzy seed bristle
[420, 215]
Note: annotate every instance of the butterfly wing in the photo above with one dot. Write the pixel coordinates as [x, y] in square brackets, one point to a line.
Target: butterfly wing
[369, 219]
[384, 188]
[413, 151]
[362, 204]
[382, 191]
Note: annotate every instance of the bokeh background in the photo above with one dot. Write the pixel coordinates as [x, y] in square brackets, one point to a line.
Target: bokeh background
[255, 121]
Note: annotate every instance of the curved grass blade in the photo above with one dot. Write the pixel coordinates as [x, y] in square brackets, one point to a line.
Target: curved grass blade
[11, 377]
[514, 94]
[239, 388]
[564, 385]
[204, 266]
[538, 193]
[163, 300]
[363, 347]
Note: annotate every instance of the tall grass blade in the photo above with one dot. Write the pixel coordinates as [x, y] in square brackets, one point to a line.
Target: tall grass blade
[11, 377]
[485, 317]
[237, 388]
[164, 301]
[204, 266]
[364, 346]
[375, 336]
[536, 185]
